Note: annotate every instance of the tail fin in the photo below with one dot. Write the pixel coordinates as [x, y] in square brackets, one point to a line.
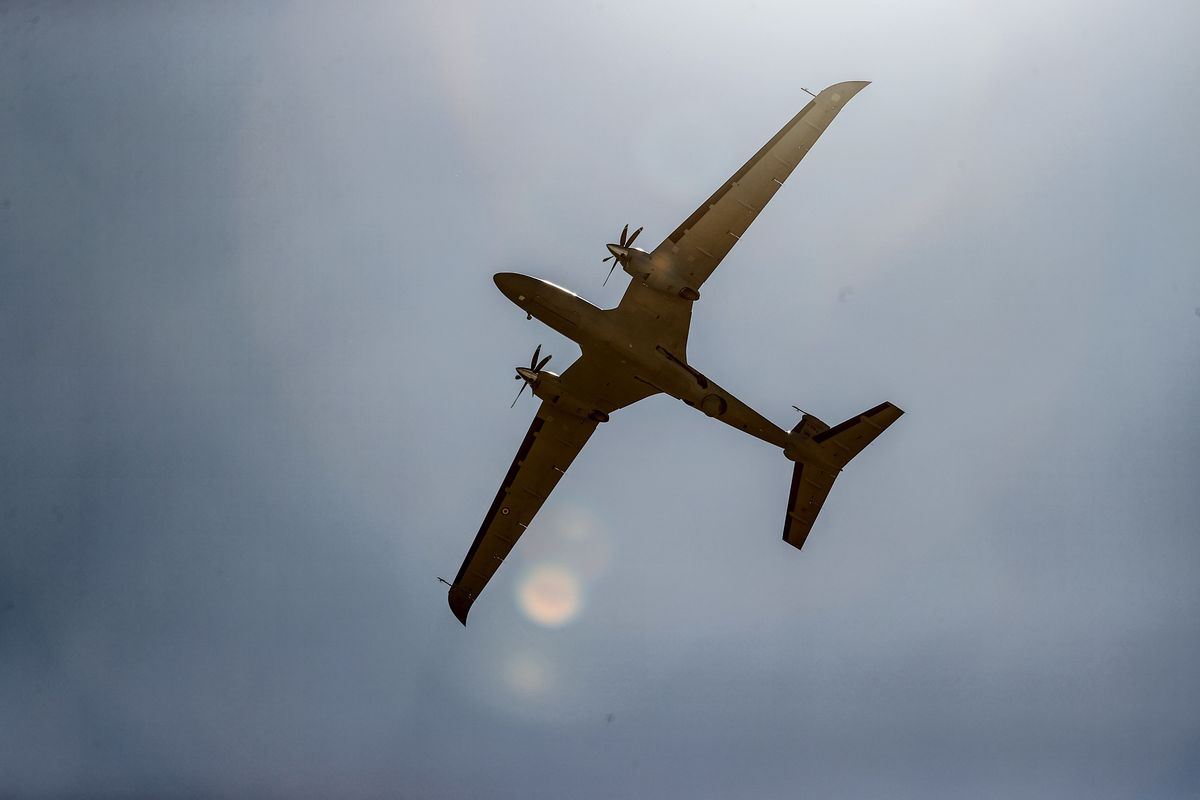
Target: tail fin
[823, 451]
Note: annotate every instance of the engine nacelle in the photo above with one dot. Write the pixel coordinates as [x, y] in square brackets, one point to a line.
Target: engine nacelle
[659, 277]
[549, 387]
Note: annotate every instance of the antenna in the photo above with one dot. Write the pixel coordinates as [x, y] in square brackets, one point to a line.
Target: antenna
[810, 94]
[448, 583]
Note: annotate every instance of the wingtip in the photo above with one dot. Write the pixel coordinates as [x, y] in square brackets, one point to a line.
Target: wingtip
[460, 605]
[848, 88]
[886, 405]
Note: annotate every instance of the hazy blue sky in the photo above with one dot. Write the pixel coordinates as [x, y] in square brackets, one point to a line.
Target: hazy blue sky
[255, 378]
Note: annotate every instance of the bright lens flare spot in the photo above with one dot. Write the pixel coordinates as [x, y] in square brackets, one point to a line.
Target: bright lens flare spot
[550, 595]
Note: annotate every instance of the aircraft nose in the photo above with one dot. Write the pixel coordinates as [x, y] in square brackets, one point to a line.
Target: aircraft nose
[507, 283]
[516, 287]
[504, 280]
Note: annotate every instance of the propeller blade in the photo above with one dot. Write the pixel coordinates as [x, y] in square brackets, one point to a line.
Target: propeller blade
[542, 363]
[610, 272]
[624, 233]
[518, 397]
[537, 352]
[606, 260]
[631, 238]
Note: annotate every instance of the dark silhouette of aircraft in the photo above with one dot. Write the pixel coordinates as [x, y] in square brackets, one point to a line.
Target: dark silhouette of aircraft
[639, 349]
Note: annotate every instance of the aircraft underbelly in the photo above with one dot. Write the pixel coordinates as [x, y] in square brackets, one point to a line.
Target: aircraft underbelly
[672, 375]
[716, 402]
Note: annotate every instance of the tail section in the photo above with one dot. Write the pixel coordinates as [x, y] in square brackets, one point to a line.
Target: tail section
[820, 452]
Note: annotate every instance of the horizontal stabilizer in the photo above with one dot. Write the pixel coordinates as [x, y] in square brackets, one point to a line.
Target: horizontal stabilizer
[843, 442]
[812, 478]
[811, 483]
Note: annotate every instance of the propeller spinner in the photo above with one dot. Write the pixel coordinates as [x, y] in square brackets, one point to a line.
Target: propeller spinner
[529, 374]
[619, 251]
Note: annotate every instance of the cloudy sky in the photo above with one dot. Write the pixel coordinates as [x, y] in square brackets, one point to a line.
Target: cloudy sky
[255, 378]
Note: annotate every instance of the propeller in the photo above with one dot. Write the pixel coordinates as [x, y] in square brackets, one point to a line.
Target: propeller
[529, 375]
[624, 243]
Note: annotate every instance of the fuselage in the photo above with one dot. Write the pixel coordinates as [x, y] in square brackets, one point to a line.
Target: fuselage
[638, 344]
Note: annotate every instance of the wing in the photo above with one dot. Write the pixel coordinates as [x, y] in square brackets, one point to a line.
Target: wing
[698, 245]
[651, 310]
[554, 439]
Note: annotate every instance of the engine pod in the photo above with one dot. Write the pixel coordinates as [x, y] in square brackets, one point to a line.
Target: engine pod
[714, 405]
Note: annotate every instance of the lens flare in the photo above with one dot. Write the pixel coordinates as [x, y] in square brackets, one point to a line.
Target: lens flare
[528, 675]
[550, 595]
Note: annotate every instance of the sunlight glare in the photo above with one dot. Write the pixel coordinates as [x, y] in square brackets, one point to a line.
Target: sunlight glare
[550, 595]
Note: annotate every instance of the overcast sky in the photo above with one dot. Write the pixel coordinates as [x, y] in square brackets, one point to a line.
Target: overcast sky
[255, 383]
